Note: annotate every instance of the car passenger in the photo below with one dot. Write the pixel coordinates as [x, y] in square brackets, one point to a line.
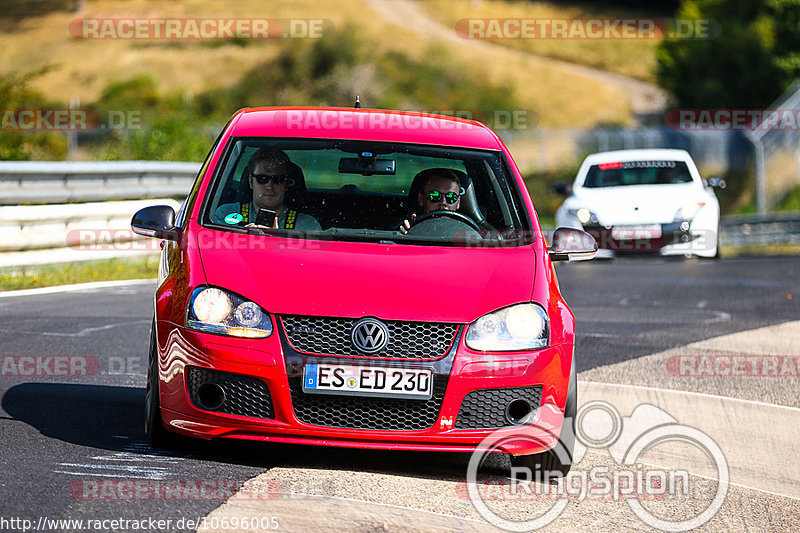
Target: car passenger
[440, 190]
[269, 175]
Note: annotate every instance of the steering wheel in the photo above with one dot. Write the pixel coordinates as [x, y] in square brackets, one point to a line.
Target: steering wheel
[447, 214]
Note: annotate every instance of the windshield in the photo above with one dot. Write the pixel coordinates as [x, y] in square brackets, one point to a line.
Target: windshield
[622, 173]
[367, 191]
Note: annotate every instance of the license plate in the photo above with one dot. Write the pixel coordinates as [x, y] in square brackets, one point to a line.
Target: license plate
[632, 233]
[382, 382]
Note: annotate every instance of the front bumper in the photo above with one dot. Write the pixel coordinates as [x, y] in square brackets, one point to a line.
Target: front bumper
[642, 241]
[470, 391]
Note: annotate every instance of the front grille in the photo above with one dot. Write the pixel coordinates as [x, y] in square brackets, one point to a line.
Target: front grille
[358, 412]
[331, 336]
[244, 395]
[486, 408]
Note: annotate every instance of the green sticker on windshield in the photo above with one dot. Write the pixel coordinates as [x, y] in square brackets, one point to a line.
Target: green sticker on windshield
[234, 218]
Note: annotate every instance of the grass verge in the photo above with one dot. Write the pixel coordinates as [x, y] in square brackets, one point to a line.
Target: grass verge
[67, 274]
[629, 57]
[782, 249]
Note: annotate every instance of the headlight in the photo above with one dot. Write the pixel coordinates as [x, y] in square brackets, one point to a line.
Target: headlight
[583, 215]
[214, 310]
[519, 327]
[688, 210]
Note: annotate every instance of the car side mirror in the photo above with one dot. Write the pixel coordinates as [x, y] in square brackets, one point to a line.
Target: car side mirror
[155, 221]
[717, 183]
[571, 244]
[564, 189]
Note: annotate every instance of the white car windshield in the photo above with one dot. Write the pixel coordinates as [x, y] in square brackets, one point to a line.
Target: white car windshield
[621, 173]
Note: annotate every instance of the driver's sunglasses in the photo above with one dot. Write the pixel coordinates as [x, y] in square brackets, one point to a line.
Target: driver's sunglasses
[277, 179]
[436, 197]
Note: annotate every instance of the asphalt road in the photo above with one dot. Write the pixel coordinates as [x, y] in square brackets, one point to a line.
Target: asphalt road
[70, 443]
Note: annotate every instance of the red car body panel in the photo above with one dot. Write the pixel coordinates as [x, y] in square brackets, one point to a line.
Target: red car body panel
[325, 278]
[456, 284]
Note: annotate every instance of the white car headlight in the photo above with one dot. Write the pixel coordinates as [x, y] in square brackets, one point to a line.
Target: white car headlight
[688, 210]
[519, 327]
[214, 310]
[583, 215]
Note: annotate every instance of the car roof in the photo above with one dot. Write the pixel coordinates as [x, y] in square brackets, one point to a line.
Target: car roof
[363, 124]
[638, 155]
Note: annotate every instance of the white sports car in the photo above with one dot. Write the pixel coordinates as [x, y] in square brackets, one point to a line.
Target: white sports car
[643, 201]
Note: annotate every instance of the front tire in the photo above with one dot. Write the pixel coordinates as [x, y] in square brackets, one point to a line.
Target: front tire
[157, 436]
[557, 461]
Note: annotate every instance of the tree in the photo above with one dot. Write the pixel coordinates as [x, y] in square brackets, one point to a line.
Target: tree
[752, 59]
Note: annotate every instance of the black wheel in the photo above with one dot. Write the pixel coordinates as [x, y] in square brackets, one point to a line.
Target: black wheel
[557, 461]
[455, 215]
[157, 436]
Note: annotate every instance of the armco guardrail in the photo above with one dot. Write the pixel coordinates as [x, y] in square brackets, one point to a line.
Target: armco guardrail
[33, 227]
[761, 230]
[36, 182]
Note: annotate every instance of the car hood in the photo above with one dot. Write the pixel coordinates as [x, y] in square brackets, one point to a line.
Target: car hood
[638, 204]
[393, 282]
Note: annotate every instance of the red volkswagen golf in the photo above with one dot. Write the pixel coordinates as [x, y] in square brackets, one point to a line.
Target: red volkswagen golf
[361, 278]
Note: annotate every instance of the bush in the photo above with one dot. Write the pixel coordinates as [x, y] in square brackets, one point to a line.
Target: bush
[790, 202]
[16, 145]
[540, 187]
[16, 10]
[755, 57]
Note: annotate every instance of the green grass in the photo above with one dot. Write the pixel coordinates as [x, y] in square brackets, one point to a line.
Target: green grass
[67, 274]
[783, 249]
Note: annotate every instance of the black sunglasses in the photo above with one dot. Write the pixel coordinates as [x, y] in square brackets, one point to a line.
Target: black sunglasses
[436, 197]
[278, 179]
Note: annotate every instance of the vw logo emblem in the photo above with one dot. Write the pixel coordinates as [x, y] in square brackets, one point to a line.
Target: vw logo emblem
[369, 335]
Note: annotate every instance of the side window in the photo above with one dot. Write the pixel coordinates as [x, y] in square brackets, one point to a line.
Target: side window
[181, 218]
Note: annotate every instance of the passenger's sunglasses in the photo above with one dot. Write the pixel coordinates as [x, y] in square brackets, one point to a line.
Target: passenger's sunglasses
[436, 197]
[277, 179]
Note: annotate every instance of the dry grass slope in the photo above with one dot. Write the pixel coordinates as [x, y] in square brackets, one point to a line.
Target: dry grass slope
[629, 57]
[62, 67]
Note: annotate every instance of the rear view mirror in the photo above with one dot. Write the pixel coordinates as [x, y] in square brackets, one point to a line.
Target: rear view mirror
[717, 183]
[562, 188]
[571, 244]
[366, 167]
[155, 221]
